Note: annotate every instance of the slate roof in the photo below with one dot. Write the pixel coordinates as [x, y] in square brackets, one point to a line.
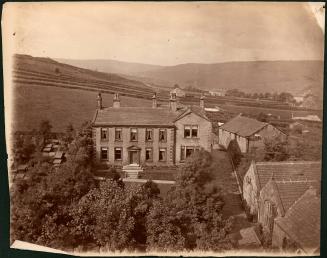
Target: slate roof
[288, 171]
[243, 126]
[135, 116]
[290, 192]
[302, 222]
[193, 109]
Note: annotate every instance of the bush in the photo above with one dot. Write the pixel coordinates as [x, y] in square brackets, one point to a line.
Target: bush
[235, 153]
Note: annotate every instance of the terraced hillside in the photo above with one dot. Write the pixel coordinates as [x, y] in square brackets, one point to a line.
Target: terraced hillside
[29, 71]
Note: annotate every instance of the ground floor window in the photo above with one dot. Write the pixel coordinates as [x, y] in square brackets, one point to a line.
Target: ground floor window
[148, 154]
[104, 153]
[118, 153]
[187, 151]
[162, 154]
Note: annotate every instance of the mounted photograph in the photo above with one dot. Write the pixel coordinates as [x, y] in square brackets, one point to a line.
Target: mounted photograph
[164, 128]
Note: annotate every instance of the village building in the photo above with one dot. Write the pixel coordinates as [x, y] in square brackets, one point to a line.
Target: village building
[218, 92]
[259, 173]
[248, 132]
[133, 137]
[299, 229]
[178, 92]
[310, 118]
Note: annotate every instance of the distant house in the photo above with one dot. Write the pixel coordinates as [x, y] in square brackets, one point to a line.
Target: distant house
[218, 92]
[259, 173]
[248, 132]
[178, 91]
[312, 118]
[300, 227]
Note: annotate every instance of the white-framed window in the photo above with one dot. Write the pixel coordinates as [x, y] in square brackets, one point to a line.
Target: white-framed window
[187, 151]
[118, 134]
[191, 131]
[104, 134]
[118, 153]
[104, 153]
[148, 134]
[162, 154]
[162, 135]
[133, 134]
[148, 154]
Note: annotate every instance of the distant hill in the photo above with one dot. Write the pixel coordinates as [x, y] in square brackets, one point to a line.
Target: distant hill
[253, 76]
[110, 66]
[259, 76]
[29, 71]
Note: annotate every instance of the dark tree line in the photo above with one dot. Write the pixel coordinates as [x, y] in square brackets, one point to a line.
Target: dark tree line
[67, 208]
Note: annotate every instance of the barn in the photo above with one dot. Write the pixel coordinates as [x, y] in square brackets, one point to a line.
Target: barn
[248, 132]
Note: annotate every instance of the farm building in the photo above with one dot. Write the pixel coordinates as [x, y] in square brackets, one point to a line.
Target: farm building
[259, 173]
[311, 118]
[218, 92]
[178, 92]
[299, 229]
[248, 132]
[133, 137]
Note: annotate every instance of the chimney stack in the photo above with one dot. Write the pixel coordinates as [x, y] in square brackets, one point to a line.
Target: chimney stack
[99, 101]
[172, 102]
[202, 101]
[154, 101]
[116, 101]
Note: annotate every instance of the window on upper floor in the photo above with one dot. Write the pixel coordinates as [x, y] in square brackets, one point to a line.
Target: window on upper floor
[191, 131]
[162, 135]
[133, 134]
[104, 134]
[148, 134]
[162, 154]
[118, 153]
[118, 134]
[104, 153]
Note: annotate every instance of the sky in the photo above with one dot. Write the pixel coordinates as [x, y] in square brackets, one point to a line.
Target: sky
[165, 33]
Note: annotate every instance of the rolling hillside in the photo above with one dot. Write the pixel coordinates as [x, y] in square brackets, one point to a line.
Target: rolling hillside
[30, 70]
[256, 76]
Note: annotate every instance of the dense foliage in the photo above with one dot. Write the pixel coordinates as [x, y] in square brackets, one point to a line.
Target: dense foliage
[66, 208]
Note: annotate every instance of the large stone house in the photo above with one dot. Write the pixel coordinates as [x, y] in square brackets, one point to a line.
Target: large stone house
[248, 132]
[259, 174]
[160, 136]
[299, 229]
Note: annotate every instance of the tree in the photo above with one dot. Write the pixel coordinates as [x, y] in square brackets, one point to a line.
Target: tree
[234, 151]
[189, 217]
[23, 149]
[45, 129]
[262, 117]
[276, 150]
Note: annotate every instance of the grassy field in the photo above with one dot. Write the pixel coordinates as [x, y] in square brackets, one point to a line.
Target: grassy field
[60, 106]
[284, 114]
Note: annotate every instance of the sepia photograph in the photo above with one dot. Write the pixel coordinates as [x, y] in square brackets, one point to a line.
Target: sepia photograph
[164, 128]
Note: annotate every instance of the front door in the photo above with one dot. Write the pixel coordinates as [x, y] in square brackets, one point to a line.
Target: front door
[133, 157]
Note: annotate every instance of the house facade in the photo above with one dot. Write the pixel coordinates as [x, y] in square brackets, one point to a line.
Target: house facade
[249, 133]
[160, 136]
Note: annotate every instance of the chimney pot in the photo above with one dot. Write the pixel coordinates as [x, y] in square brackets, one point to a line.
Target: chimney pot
[202, 101]
[154, 101]
[116, 101]
[99, 100]
[172, 102]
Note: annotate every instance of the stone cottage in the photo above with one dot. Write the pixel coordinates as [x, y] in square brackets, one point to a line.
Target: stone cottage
[259, 173]
[248, 132]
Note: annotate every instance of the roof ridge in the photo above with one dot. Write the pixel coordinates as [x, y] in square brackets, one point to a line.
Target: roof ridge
[286, 162]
